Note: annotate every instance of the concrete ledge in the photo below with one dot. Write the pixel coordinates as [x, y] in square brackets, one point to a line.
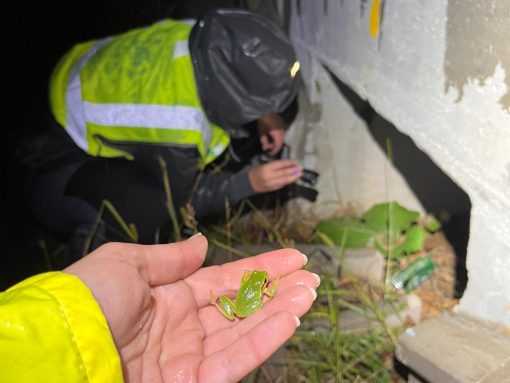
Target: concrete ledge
[365, 263]
[454, 348]
[396, 315]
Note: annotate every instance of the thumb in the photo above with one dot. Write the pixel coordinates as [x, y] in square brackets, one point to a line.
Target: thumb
[168, 263]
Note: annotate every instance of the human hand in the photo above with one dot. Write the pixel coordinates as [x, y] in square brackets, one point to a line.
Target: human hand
[271, 132]
[274, 175]
[156, 301]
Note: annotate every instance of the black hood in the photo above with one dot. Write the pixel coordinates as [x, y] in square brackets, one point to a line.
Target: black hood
[244, 67]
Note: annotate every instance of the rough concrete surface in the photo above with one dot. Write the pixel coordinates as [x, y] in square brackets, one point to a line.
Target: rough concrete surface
[456, 348]
[367, 263]
[476, 43]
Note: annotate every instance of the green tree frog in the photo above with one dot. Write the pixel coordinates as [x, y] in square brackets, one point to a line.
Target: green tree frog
[249, 297]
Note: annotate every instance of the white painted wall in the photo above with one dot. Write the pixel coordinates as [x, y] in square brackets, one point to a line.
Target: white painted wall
[354, 171]
[401, 73]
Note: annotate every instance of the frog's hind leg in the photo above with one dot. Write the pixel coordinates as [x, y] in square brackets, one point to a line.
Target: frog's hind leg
[270, 292]
[226, 306]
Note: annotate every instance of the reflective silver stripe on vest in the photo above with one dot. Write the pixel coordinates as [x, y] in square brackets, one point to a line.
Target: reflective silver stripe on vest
[75, 114]
[149, 116]
[78, 112]
[189, 21]
[181, 49]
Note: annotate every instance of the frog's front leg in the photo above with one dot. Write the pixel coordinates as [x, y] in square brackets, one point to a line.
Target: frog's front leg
[226, 306]
[246, 276]
[270, 292]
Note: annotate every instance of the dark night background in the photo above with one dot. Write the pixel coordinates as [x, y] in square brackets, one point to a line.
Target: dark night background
[38, 33]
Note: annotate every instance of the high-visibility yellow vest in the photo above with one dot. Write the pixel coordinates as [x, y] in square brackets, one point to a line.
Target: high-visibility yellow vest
[137, 87]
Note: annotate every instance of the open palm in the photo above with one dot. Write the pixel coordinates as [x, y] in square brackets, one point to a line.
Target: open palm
[156, 301]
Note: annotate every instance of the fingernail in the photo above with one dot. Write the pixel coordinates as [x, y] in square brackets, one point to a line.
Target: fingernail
[296, 172]
[317, 278]
[298, 322]
[305, 259]
[194, 236]
[314, 293]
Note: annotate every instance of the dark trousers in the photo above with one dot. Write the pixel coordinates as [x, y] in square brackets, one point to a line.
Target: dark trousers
[70, 196]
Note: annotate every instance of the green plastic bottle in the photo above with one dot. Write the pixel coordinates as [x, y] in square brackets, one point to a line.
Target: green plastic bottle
[413, 275]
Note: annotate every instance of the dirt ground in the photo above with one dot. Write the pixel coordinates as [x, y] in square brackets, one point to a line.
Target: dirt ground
[437, 293]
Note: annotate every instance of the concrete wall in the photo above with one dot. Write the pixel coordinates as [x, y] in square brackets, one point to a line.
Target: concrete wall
[437, 70]
[354, 171]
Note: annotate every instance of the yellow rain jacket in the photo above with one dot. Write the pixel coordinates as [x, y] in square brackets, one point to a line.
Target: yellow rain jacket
[53, 330]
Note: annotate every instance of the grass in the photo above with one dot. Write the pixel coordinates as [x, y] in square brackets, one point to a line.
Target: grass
[321, 350]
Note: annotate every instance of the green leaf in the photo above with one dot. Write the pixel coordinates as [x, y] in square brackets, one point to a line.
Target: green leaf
[357, 234]
[432, 224]
[409, 242]
[414, 239]
[378, 217]
[373, 230]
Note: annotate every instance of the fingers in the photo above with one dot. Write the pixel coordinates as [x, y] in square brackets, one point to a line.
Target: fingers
[225, 279]
[162, 264]
[280, 173]
[281, 165]
[250, 350]
[274, 175]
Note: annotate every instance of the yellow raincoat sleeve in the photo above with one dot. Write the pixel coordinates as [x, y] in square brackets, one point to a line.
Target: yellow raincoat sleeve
[53, 330]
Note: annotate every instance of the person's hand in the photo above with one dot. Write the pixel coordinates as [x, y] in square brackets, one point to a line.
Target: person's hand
[156, 301]
[274, 175]
[271, 132]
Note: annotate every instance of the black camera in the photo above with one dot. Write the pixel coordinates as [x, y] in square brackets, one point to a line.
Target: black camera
[309, 176]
